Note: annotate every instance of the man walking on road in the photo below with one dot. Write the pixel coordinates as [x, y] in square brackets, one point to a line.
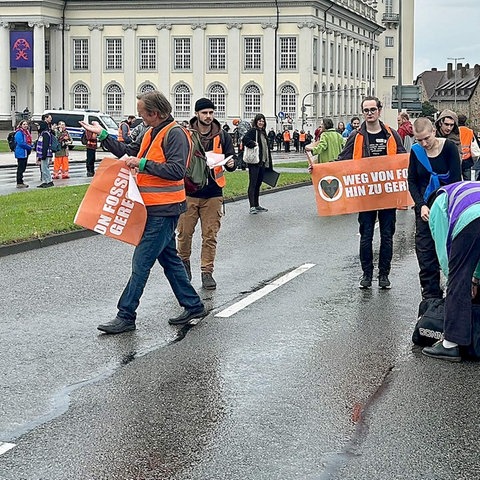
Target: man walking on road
[373, 139]
[161, 169]
[206, 203]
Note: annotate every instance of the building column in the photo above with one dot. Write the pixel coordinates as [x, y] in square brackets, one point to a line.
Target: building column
[198, 61]
[38, 67]
[268, 103]
[56, 67]
[96, 87]
[5, 81]
[130, 47]
[234, 97]
[163, 58]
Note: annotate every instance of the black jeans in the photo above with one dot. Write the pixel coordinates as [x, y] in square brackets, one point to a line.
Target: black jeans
[21, 167]
[462, 261]
[386, 220]
[91, 160]
[427, 259]
[255, 178]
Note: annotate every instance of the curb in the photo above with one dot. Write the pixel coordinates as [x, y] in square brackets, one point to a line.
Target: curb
[58, 238]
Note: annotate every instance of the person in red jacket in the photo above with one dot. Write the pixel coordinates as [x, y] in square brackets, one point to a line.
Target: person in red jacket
[405, 130]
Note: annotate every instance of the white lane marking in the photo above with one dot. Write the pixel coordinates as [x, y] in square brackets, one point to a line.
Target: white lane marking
[5, 447]
[253, 297]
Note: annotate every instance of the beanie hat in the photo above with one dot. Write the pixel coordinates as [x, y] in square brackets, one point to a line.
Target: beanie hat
[204, 103]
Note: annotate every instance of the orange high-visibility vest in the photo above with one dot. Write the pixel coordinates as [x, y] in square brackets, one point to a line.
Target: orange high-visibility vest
[286, 136]
[358, 145]
[120, 133]
[218, 175]
[302, 137]
[156, 190]
[466, 139]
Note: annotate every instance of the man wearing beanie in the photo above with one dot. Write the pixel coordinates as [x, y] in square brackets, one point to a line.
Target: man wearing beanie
[206, 204]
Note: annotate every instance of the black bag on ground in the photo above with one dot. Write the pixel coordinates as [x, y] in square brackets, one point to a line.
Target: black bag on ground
[429, 327]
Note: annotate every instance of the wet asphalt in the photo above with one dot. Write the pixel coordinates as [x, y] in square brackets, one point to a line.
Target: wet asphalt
[316, 380]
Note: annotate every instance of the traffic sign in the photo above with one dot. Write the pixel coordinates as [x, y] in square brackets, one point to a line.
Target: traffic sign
[281, 115]
[407, 105]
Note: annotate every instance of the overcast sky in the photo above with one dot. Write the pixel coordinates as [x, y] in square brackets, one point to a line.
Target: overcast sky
[446, 28]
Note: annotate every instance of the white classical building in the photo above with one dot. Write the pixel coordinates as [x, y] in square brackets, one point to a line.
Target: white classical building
[306, 58]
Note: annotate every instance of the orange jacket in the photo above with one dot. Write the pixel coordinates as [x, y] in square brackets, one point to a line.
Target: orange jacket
[120, 133]
[358, 145]
[466, 138]
[156, 190]
[219, 177]
[286, 136]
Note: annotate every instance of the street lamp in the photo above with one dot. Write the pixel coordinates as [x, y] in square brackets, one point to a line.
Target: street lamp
[455, 59]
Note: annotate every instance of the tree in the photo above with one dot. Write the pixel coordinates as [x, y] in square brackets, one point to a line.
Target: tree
[428, 109]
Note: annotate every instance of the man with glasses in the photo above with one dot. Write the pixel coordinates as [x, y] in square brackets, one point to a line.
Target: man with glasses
[373, 139]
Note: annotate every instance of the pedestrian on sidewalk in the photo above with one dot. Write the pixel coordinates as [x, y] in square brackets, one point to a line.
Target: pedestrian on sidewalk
[89, 139]
[23, 147]
[330, 144]
[60, 162]
[257, 136]
[44, 151]
[161, 162]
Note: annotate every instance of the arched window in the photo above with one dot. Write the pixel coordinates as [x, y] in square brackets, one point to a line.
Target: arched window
[114, 101]
[315, 101]
[345, 99]
[331, 100]
[80, 97]
[13, 97]
[288, 101]
[182, 96]
[145, 88]
[339, 98]
[217, 95]
[324, 101]
[47, 97]
[251, 102]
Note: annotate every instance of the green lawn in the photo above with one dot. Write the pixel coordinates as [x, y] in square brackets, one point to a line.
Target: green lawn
[36, 213]
[4, 145]
[303, 164]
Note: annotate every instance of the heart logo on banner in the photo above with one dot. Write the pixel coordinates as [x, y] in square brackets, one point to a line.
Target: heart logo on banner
[330, 187]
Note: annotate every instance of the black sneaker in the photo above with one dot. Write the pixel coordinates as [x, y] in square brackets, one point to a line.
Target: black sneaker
[437, 350]
[188, 315]
[365, 281]
[384, 282]
[208, 282]
[118, 325]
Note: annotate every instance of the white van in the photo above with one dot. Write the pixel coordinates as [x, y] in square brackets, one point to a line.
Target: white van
[72, 117]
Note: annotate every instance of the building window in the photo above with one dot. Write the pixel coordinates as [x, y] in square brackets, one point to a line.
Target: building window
[331, 99]
[47, 97]
[352, 64]
[389, 41]
[331, 57]
[145, 88]
[80, 97]
[339, 99]
[339, 59]
[13, 98]
[315, 55]
[80, 53]
[47, 54]
[363, 65]
[389, 7]
[324, 55]
[217, 53]
[253, 53]
[389, 67]
[288, 101]
[217, 95]
[345, 99]
[182, 54]
[345, 61]
[357, 63]
[147, 54]
[114, 56]
[288, 53]
[114, 100]
[182, 98]
[252, 102]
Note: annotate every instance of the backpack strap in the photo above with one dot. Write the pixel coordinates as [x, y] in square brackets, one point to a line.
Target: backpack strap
[435, 178]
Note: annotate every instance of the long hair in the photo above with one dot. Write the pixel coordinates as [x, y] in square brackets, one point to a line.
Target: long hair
[259, 116]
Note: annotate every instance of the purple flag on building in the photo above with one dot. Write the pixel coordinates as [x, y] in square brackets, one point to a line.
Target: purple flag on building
[21, 49]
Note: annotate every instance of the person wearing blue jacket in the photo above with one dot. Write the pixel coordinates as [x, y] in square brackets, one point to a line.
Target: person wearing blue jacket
[23, 147]
[455, 224]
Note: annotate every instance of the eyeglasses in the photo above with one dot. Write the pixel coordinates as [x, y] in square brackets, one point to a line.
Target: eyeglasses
[370, 110]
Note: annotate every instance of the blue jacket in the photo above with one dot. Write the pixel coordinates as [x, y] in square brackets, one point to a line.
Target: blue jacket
[22, 148]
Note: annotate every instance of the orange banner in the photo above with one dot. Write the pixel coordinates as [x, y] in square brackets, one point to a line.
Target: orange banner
[112, 205]
[372, 183]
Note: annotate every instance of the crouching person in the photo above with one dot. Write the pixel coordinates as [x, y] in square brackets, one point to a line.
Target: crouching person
[455, 225]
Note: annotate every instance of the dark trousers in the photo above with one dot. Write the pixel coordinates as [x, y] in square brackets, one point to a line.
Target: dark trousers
[287, 146]
[427, 259]
[467, 165]
[386, 220]
[255, 178]
[21, 167]
[462, 261]
[91, 160]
